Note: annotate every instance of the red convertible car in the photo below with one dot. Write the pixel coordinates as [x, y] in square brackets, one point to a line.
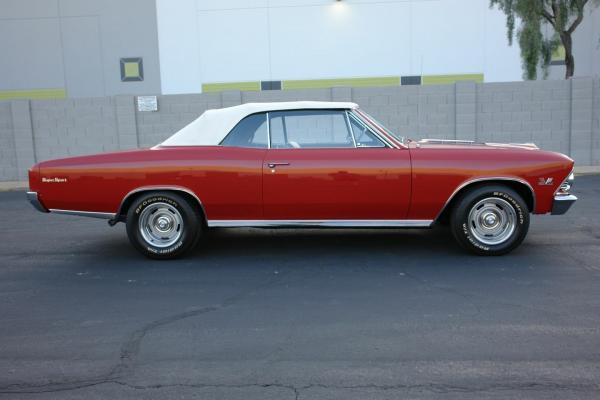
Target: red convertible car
[307, 164]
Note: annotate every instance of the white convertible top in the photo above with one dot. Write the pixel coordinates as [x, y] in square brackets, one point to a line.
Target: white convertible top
[213, 125]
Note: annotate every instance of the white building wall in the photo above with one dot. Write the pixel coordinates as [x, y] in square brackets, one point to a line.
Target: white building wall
[178, 46]
[75, 46]
[238, 40]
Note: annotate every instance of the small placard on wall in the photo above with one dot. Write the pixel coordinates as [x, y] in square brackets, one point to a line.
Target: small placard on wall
[147, 103]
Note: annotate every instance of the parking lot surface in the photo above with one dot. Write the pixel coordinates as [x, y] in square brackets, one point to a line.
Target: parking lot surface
[311, 314]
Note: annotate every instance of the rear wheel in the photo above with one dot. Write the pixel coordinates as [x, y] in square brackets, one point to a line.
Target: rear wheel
[163, 225]
[490, 220]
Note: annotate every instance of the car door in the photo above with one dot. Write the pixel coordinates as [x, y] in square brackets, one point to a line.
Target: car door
[317, 168]
[231, 184]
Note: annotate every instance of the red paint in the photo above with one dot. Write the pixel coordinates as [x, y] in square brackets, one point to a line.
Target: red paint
[228, 180]
[361, 183]
[411, 182]
[438, 170]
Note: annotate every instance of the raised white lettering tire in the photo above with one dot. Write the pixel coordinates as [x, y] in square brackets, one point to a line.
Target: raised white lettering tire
[163, 225]
[490, 220]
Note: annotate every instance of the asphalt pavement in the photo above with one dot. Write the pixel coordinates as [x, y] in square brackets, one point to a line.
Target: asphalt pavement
[299, 314]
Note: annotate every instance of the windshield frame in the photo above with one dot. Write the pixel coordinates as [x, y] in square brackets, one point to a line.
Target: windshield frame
[380, 127]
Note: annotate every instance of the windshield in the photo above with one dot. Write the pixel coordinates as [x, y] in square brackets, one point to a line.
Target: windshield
[381, 126]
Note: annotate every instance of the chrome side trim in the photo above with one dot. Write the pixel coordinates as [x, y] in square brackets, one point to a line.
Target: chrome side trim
[483, 179]
[268, 130]
[35, 202]
[113, 216]
[327, 223]
[158, 187]
[446, 141]
[91, 214]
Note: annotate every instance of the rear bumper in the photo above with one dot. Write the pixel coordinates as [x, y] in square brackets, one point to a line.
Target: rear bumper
[562, 203]
[35, 202]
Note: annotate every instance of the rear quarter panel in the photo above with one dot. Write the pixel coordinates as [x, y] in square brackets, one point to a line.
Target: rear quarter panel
[227, 180]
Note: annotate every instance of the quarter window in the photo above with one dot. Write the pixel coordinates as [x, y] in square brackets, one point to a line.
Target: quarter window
[249, 132]
[309, 129]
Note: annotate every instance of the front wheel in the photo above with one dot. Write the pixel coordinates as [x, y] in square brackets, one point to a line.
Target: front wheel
[490, 220]
[162, 225]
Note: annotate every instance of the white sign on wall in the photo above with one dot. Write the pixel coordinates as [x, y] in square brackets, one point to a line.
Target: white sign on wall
[147, 103]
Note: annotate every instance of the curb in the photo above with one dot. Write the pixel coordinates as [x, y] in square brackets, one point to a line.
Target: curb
[587, 170]
[13, 185]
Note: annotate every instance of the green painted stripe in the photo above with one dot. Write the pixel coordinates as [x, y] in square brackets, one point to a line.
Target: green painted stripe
[446, 79]
[35, 94]
[347, 82]
[559, 53]
[219, 87]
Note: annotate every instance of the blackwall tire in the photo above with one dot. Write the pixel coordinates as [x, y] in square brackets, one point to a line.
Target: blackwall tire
[490, 220]
[163, 225]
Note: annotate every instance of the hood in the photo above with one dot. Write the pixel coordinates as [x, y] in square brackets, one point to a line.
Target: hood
[473, 144]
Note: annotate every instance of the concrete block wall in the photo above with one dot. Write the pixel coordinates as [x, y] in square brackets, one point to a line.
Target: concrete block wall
[8, 156]
[174, 112]
[596, 124]
[559, 115]
[63, 128]
[537, 112]
[413, 111]
[582, 114]
[22, 126]
[126, 122]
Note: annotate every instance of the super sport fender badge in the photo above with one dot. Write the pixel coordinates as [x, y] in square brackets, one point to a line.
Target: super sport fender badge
[54, 179]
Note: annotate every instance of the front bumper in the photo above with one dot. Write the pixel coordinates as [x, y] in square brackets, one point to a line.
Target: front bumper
[35, 202]
[562, 203]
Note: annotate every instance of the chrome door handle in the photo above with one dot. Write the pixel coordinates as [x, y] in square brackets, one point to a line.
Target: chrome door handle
[274, 164]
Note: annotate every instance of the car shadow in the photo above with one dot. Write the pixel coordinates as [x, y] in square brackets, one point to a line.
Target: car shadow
[312, 242]
[243, 248]
[299, 243]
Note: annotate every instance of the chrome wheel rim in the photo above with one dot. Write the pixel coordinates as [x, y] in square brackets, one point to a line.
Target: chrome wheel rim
[161, 225]
[492, 221]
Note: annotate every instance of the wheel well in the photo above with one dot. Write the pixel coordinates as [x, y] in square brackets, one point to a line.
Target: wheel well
[193, 200]
[521, 188]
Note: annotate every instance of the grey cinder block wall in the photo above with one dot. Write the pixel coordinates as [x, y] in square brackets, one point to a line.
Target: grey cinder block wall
[561, 116]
